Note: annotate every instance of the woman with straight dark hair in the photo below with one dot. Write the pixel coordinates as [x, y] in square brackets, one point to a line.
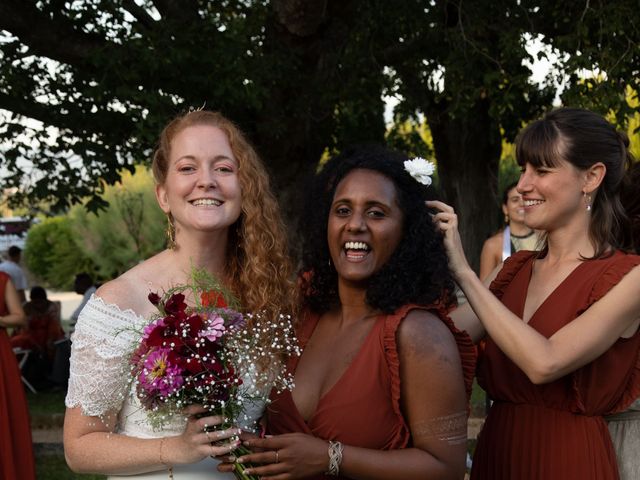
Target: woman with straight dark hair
[562, 346]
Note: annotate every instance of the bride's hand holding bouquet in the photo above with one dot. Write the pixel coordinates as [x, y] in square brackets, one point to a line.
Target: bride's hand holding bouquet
[203, 360]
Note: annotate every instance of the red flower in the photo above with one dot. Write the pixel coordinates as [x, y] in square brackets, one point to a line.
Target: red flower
[213, 298]
[154, 298]
[175, 305]
[164, 335]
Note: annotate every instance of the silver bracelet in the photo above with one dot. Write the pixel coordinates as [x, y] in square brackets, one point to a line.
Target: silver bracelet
[335, 458]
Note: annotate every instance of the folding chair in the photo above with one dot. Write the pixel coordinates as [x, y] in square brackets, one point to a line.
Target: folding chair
[22, 356]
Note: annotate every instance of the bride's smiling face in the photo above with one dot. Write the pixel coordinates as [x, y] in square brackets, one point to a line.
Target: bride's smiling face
[364, 226]
[201, 189]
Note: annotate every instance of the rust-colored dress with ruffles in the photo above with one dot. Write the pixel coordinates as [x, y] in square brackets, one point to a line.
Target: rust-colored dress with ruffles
[555, 430]
[16, 450]
[363, 407]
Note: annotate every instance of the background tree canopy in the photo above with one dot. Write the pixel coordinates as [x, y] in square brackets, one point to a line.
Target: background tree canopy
[301, 77]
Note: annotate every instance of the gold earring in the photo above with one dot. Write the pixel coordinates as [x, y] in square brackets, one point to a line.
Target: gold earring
[171, 232]
[506, 219]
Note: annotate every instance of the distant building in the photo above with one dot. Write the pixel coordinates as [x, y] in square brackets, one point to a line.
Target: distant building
[13, 231]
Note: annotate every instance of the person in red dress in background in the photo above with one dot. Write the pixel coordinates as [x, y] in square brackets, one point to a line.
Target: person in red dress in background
[43, 326]
[563, 341]
[380, 385]
[16, 449]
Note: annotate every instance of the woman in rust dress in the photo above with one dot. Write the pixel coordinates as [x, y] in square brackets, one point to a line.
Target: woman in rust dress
[380, 385]
[16, 451]
[562, 324]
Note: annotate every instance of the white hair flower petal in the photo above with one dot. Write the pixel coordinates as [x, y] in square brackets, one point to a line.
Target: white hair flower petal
[420, 169]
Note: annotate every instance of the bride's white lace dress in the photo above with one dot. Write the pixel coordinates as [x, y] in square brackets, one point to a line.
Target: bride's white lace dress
[100, 382]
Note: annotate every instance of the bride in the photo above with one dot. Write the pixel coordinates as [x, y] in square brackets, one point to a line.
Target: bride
[222, 217]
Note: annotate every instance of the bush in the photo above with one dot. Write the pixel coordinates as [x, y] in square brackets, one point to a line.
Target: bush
[128, 231]
[53, 255]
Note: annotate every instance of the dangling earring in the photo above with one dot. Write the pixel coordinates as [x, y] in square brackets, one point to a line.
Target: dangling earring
[171, 232]
[506, 219]
[587, 200]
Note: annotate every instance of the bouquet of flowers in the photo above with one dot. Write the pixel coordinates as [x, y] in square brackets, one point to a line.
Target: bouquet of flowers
[205, 352]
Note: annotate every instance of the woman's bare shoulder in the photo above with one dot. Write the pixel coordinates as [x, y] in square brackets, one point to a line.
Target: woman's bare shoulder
[131, 289]
[424, 334]
[494, 242]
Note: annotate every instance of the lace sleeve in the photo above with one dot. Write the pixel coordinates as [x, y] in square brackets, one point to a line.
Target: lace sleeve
[99, 378]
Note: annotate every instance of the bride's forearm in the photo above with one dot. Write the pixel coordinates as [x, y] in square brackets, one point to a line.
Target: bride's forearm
[114, 454]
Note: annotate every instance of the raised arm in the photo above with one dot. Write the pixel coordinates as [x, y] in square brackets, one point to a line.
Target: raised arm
[16, 316]
[573, 346]
[466, 319]
[433, 402]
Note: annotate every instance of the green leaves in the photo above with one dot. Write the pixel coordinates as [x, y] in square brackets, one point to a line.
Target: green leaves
[129, 229]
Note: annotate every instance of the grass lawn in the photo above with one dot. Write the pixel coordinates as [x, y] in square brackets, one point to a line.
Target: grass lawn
[53, 467]
[47, 411]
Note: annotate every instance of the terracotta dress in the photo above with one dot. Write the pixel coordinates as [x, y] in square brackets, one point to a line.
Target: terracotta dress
[16, 450]
[555, 430]
[363, 408]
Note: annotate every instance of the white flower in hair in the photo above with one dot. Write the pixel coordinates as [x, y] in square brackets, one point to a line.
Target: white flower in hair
[420, 169]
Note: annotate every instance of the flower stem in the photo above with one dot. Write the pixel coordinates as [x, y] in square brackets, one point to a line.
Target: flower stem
[239, 468]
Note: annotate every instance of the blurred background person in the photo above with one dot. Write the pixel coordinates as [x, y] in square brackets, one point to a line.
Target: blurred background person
[40, 334]
[11, 266]
[43, 326]
[82, 285]
[514, 237]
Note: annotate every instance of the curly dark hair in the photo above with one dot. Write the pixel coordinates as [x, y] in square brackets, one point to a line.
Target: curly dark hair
[417, 271]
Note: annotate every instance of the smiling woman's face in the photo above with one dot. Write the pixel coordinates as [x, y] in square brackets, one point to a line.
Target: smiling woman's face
[201, 189]
[364, 226]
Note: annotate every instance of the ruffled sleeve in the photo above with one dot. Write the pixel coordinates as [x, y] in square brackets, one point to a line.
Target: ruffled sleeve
[616, 268]
[393, 361]
[466, 349]
[512, 265]
[620, 266]
[103, 340]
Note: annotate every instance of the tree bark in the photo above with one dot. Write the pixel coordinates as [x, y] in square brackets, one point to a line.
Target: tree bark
[468, 151]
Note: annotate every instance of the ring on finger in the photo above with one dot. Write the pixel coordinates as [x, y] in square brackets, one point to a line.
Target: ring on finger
[206, 432]
[277, 457]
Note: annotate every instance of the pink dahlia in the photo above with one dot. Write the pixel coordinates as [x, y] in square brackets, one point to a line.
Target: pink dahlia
[160, 376]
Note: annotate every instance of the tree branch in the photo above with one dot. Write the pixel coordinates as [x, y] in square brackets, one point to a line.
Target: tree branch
[139, 13]
[184, 11]
[59, 40]
[50, 115]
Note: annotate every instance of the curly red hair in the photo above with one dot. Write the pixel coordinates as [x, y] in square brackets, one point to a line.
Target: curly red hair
[258, 263]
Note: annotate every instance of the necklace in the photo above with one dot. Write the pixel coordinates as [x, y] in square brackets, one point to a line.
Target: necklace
[526, 235]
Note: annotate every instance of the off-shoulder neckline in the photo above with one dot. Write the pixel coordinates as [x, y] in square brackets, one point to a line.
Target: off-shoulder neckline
[116, 307]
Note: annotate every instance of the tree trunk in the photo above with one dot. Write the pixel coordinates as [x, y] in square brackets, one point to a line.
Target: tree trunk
[468, 152]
